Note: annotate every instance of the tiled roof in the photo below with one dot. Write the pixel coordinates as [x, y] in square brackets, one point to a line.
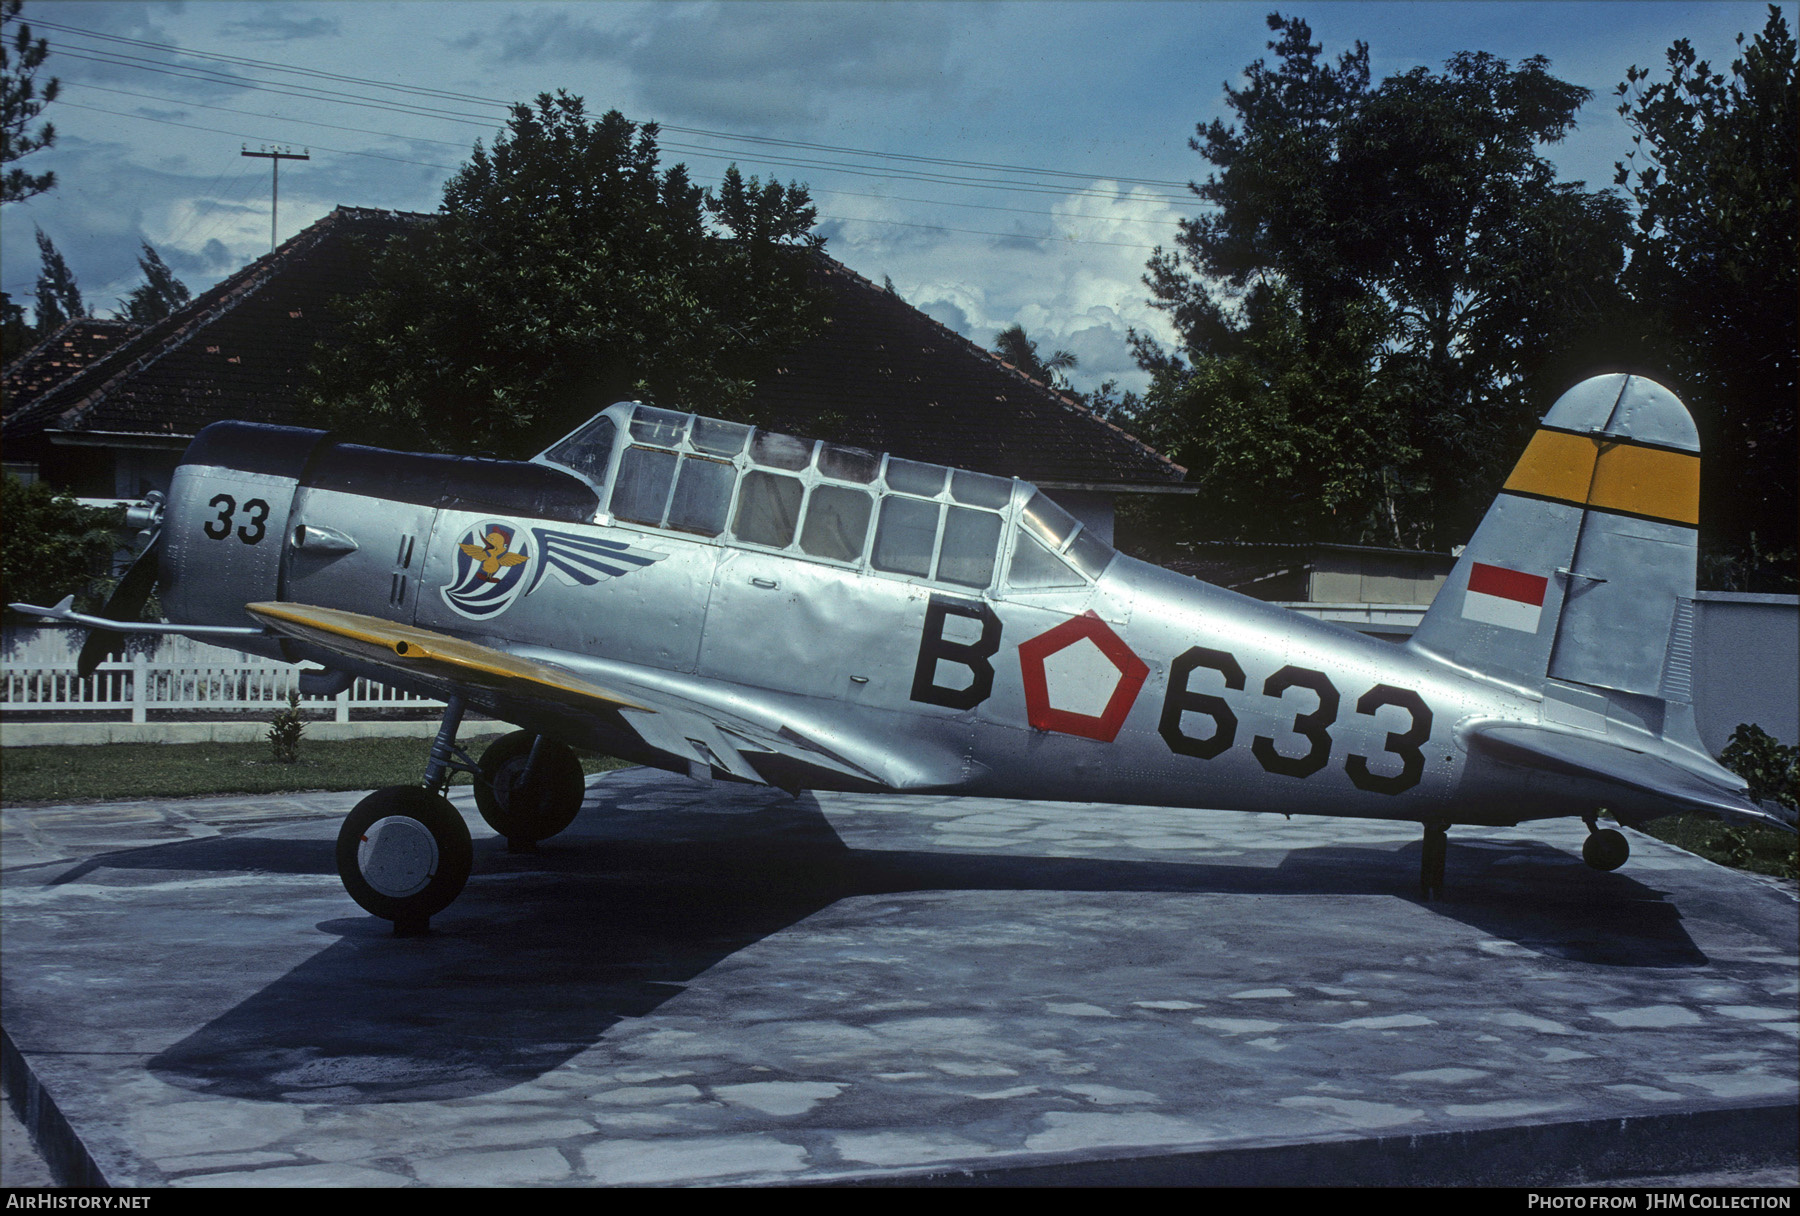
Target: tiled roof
[239, 350]
[882, 375]
[885, 376]
[72, 347]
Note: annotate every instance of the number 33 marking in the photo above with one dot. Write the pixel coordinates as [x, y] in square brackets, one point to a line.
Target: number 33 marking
[250, 533]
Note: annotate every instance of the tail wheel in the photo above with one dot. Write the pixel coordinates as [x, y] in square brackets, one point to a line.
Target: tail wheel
[404, 854]
[526, 812]
[1605, 849]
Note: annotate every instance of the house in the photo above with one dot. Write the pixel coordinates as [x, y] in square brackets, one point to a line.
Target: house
[73, 346]
[882, 375]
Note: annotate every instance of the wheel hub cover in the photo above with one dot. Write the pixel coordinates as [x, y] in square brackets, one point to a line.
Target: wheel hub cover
[397, 856]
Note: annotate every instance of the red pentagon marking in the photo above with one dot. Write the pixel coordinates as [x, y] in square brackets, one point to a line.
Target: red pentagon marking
[1132, 672]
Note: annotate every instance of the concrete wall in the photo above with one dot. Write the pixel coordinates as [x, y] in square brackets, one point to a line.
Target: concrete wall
[1746, 665]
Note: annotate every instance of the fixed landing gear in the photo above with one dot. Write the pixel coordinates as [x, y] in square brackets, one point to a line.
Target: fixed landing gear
[1605, 848]
[528, 788]
[404, 853]
[1431, 859]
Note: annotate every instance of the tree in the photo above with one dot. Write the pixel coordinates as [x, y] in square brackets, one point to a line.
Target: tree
[54, 545]
[58, 294]
[1715, 259]
[20, 104]
[160, 294]
[565, 271]
[1011, 345]
[1406, 250]
[16, 334]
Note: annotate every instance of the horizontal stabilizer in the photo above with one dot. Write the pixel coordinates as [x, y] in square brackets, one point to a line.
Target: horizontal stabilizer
[1602, 760]
[64, 611]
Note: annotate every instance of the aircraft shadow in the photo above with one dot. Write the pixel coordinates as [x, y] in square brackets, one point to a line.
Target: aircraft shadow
[545, 952]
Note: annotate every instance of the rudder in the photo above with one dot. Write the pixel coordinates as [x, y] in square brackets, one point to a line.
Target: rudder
[1583, 569]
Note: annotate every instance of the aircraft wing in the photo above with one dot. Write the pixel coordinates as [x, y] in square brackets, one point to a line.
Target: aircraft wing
[1600, 759]
[722, 734]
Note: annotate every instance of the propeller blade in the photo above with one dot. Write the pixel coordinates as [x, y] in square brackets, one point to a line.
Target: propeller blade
[126, 601]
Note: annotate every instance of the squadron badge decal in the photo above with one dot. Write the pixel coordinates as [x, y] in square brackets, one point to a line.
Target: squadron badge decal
[492, 561]
[498, 563]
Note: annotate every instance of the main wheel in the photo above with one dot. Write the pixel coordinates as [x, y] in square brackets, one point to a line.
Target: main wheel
[404, 854]
[1605, 849]
[526, 813]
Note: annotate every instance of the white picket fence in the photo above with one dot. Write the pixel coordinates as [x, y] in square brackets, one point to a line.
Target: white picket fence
[39, 676]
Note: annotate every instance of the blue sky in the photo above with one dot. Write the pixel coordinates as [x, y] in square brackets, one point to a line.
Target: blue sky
[1070, 121]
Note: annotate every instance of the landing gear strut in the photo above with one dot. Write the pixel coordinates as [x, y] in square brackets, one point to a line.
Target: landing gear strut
[404, 853]
[1431, 858]
[1605, 848]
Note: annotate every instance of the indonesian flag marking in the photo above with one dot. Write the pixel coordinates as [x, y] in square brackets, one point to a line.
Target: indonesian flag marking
[1508, 598]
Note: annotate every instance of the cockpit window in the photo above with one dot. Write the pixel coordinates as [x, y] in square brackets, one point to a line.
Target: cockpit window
[768, 509]
[1090, 554]
[642, 491]
[587, 451]
[906, 535]
[848, 464]
[717, 438]
[911, 477]
[837, 523]
[780, 451]
[1048, 522]
[1035, 568]
[702, 495]
[980, 490]
[971, 541]
[664, 428]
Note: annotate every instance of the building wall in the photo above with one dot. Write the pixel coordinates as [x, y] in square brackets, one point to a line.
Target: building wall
[1747, 665]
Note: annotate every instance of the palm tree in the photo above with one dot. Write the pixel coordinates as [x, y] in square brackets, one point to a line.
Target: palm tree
[1011, 345]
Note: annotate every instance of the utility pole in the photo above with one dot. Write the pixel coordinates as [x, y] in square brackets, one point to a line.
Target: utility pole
[275, 156]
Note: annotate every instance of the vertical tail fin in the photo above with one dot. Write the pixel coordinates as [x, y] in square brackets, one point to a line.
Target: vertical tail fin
[1583, 569]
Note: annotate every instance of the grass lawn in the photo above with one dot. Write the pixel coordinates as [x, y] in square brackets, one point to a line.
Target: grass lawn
[178, 770]
[164, 770]
[1757, 849]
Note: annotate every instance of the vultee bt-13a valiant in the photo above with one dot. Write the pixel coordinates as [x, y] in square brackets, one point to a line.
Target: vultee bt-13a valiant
[741, 605]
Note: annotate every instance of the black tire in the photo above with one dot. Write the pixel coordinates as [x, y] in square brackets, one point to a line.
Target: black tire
[404, 854]
[1605, 849]
[528, 814]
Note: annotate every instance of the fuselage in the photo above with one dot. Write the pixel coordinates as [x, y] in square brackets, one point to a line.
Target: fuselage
[962, 623]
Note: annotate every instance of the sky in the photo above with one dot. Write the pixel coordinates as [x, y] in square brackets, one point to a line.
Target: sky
[999, 162]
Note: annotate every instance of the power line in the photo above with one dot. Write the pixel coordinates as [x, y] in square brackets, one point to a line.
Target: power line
[457, 116]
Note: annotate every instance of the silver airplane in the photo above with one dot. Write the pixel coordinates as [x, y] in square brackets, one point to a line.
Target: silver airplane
[741, 605]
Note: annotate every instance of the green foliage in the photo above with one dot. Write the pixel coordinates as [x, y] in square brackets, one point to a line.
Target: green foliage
[58, 294]
[1760, 850]
[54, 546]
[566, 271]
[21, 103]
[1715, 174]
[160, 294]
[1771, 767]
[16, 336]
[285, 729]
[1388, 290]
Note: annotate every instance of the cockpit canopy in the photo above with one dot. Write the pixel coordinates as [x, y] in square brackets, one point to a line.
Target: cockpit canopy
[758, 489]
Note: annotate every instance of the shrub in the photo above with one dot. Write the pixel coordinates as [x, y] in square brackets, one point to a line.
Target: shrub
[285, 730]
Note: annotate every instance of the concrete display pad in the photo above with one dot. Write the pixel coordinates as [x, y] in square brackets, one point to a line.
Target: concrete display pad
[725, 985]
